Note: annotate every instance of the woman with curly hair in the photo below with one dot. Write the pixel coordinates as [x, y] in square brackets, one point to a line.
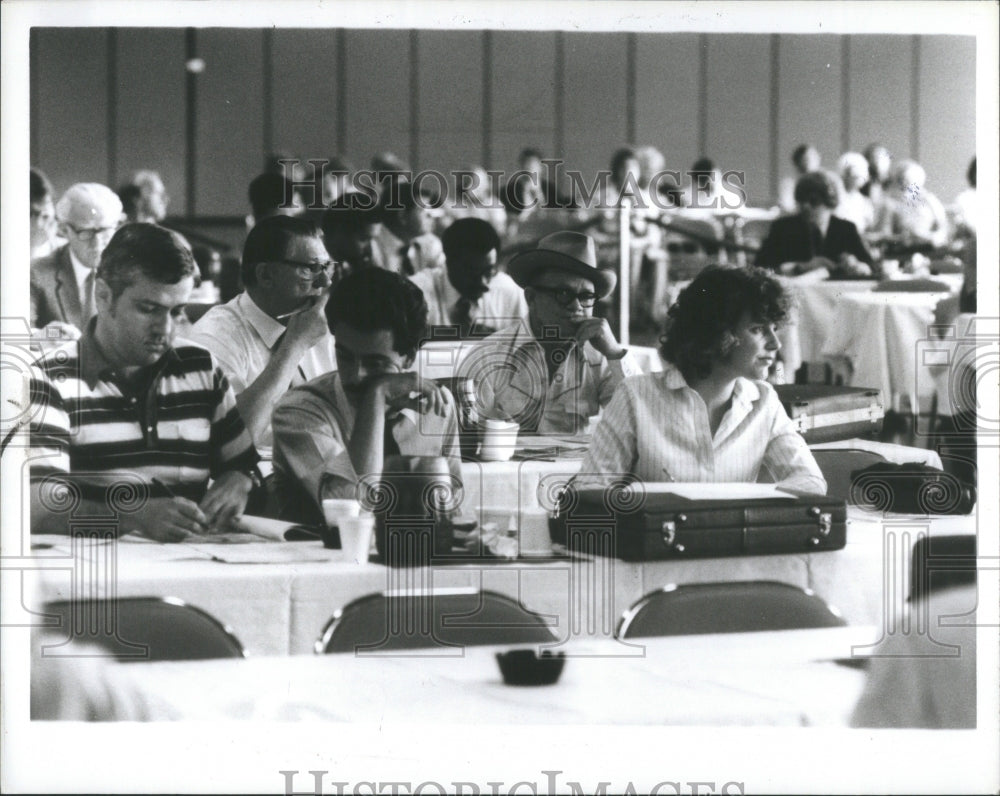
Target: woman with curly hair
[710, 415]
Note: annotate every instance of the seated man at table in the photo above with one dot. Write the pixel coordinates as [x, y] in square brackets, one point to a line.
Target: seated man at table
[350, 227]
[274, 334]
[470, 294]
[122, 405]
[404, 243]
[553, 374]
[339, 428]
[815, 237]
[710, 416]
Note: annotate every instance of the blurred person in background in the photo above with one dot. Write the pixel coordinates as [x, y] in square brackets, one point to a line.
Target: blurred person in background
[350, 228]
[815, 237]
[270, 194]
[879, 175]
[405, 242]
[150, 197]
[912, 214]
[854, 205]
[965, 210]
[63, 282]
[805, 158]
[43, 215]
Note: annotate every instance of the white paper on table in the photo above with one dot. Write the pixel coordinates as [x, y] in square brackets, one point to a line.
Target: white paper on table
[271, 529]
[267, 553]
[717, 491]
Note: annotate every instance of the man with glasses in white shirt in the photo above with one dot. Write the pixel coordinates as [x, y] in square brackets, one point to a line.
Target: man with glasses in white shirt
[62, 283]
[553, 374]
[274, 335]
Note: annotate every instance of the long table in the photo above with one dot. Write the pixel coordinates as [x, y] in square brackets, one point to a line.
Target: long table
[278, 596]
[776, 678]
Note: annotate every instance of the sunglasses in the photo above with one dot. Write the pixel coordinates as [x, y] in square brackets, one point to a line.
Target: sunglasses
[564, 296]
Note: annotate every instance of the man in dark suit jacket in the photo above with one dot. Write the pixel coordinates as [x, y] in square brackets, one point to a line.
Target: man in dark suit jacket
[815, 237]
[62, 282]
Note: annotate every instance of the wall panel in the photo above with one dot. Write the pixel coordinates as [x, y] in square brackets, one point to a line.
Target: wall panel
[880, 80]
[667, 96]
[378, 94]
[150, 64]
[739, 108]
[304, 83]
[810, 102]
[230, 119]
[947, 110]
[450, 99]
[523, 90]
[70, 104]
[595, 100]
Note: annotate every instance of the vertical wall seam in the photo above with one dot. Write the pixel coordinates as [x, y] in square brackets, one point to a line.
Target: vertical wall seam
[267, 91]
[559, 141]
[845, 94]
[702, 94]
[915, 100]
[112, 108]
[191, 122]
[414, 99]
[34, 86]
[631, 89]
[341, 121]
[487, 120]
[775, 115]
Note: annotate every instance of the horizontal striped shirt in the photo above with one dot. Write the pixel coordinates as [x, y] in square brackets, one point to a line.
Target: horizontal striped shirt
[656, 428]
[180, 427]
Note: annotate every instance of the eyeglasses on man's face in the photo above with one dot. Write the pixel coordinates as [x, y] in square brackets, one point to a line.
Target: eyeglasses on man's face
[309, 270]
[89, 233]
[564, 296]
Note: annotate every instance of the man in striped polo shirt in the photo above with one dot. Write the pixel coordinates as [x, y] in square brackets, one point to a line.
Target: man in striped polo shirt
[124, 405]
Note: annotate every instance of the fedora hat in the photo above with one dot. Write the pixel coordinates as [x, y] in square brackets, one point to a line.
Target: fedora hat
[572, 252]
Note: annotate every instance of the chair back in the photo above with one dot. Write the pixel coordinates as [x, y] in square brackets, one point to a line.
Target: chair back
[737, 607]
[444, 618]
[146, 629]
[837, 464]
[941, 562]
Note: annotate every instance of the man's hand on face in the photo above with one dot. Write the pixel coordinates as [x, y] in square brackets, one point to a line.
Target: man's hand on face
[599, 334]
[308, 326]
[408, 391]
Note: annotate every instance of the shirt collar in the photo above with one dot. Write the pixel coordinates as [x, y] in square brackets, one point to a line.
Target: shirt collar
[270, 330]
[745, 391]
[94, 364]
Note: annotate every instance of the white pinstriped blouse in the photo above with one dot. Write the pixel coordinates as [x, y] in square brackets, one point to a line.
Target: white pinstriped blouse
[656, 428]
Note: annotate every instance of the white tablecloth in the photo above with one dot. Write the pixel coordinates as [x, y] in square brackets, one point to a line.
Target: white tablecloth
[780, 678]
[815, 312]
[281, 608]
[881, 334]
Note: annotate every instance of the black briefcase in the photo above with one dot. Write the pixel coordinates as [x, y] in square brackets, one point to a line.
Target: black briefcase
[634, 526]
[824, 413]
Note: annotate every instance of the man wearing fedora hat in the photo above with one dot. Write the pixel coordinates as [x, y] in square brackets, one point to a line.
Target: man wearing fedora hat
[554, 373]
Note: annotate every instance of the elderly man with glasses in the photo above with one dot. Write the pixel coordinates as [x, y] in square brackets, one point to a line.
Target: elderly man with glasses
[555, 373]
[62, 283]
[274, 335]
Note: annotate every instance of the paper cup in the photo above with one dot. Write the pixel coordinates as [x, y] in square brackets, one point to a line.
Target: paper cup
[356, 537]
[533, 533]
[890, 269]
[336, 508]
[499, 440]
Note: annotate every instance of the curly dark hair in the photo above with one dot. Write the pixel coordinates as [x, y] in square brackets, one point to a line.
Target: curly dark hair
[373, 299]
[701, 322]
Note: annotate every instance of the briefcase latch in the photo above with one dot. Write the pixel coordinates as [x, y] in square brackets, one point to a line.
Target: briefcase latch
[669, 532]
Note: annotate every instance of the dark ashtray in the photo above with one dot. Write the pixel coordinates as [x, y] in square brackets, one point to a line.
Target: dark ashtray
[528, 667]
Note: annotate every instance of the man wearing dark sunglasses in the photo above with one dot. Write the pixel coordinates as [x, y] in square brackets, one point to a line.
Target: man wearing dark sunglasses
[274, 335]
[555, 374]
[63, 283]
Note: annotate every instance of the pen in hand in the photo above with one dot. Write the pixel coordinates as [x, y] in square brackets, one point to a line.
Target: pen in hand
[667, 476]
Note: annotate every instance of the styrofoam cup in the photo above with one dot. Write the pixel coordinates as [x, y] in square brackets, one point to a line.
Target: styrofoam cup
[356, 537]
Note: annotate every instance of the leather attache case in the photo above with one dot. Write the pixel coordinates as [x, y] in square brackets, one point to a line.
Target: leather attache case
[637, 526]
[823, 413]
